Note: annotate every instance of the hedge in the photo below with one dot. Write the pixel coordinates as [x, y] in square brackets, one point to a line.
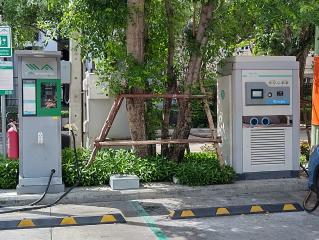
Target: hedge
[197, 169]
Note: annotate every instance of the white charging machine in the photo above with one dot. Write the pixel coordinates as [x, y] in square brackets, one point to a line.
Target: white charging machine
[258, 115]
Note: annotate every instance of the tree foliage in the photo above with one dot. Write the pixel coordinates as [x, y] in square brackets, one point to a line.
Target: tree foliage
[173, 27]
[283, 27]
[29, 17]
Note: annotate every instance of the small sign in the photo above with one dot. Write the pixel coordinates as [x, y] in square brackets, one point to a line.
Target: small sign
[5, 41]
[29, 97]
[6, 78]
[6, 92]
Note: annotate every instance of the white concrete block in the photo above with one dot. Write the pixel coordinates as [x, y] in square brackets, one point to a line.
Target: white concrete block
[122, 182]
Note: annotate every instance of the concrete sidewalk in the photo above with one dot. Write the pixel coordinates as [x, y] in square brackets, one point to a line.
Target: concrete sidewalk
[159, 190]
[148, 218]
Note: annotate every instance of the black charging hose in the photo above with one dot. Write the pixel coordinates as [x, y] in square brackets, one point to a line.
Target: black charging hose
[62, 196]
[46, 190]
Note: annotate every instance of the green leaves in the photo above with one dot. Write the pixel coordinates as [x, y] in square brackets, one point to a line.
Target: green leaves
[203, 169]
[27, 18]
[198, 168]
[280, 26]
[111, 161]
[8, 173]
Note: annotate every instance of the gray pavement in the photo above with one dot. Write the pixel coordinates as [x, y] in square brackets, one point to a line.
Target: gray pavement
[148, 219]
[159, 190]
[146, 211]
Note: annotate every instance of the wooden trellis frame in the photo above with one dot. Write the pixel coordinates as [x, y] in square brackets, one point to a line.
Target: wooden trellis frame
[101, 141]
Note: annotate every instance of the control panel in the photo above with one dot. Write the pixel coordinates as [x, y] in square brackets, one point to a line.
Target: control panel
[273, 93]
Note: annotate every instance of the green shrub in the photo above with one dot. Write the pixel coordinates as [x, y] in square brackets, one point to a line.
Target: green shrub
[203, 169]
[303, 160]
[65, 113]
[111, 161]
[69, 174]
[305, 150]
[8, 173]
[198, 168]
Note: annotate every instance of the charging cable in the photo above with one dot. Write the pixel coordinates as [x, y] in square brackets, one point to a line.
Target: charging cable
[72, 128]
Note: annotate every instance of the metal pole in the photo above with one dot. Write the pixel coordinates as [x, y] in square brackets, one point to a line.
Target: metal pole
[4, 125]
[315, 93]
[3, 118]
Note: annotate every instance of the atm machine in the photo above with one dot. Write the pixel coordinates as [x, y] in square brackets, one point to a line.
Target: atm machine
[39, 91]
[258, 115]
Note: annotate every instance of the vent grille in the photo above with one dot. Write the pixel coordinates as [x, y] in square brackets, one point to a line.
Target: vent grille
[267, 146]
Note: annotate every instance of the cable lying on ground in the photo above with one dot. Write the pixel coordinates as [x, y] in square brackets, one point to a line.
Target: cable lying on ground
[31, 205]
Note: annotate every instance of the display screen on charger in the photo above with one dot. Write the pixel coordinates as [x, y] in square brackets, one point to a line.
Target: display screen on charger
[257, 93]
[48, 95]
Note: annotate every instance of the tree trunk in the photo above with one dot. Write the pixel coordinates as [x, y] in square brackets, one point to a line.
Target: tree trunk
[171, 80]
[182, 129]
[302, 58]
[135, 46]
[306, 39]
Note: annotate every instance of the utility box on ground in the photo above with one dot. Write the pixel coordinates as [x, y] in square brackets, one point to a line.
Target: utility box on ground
[123, 182]
[258, 116]
[39, 91]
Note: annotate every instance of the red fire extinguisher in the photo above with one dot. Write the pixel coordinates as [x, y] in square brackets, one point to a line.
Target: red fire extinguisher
[13, 141]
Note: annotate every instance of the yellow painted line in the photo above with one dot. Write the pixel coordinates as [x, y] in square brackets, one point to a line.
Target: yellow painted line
[187, 213]
[68, 221]
[24, 223]
[108, 218]
[256, 209]
[171, 213]
[222, 211]
[289, 207]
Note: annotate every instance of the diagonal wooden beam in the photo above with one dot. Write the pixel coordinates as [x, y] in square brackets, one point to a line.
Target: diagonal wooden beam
[106, 127]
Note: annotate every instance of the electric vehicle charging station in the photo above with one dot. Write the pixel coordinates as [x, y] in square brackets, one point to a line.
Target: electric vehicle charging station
[39, 91]
[258, 116]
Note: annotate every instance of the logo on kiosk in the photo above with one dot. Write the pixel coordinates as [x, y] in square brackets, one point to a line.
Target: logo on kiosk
[34, 67]
[46, 68]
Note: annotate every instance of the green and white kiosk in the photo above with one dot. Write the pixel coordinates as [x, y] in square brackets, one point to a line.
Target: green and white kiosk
[39, 90]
